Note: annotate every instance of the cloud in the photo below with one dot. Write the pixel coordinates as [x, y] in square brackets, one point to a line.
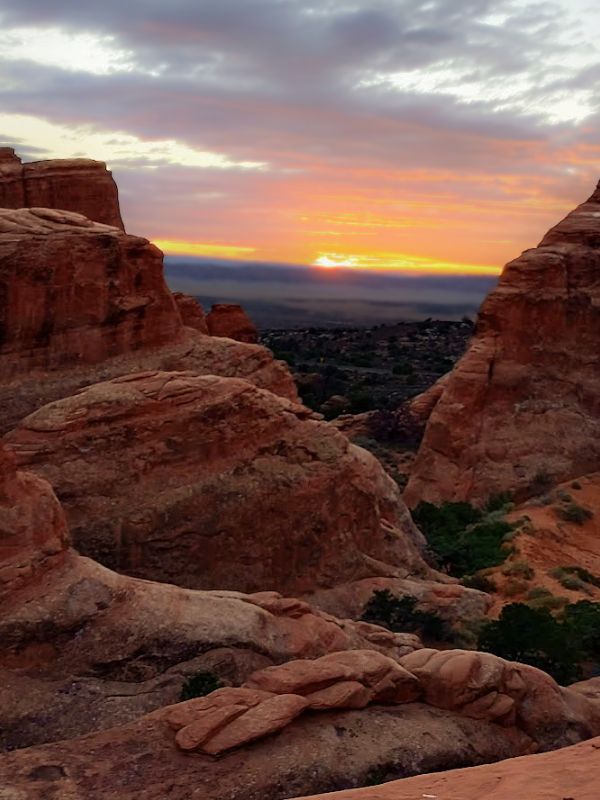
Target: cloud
[408, 117]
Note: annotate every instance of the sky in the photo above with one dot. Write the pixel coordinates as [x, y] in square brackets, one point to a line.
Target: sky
[443, 135]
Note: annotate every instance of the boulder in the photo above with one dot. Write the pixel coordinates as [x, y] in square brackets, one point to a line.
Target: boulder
[192, 313]
[76, 184]
[210, 482]
[522, 403]
[484, 686]
[231, 321]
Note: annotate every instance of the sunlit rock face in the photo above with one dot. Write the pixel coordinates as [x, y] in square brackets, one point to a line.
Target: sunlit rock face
[523, 404]
[76, 184]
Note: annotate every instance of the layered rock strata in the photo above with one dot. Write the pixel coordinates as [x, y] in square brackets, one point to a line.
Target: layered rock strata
[74, 291]
[82, 302]
[76, 184]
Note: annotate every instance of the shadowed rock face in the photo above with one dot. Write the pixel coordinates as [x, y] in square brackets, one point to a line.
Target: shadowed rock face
[191, 312]
[76, 184]
[523, 402]
[75, 291]
[210, 482]
[231, 321]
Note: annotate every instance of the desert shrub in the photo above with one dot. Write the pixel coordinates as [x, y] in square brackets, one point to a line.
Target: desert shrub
[575, 578]
[565, 497]
[532, 636]
[515, 586]
[403, 368]
[199, 685]
[462, 538]
[574, 513]
[576, 485]
[541, 598]
[401, 615]
[560, 644]
[498, 502]
[541, 482]
[583, 620]
[519, 569]
[479, 582]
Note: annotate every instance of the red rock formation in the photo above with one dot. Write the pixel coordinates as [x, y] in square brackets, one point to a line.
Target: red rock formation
[231, 321]
[314, 751]
[77, 184]
[523, 403]
[191, 312]
[213, 483]
[64, 618]
[76, 291]
[33, 531]
[80, 302]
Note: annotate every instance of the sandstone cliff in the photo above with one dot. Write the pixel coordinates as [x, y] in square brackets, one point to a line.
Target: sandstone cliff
[522, 403]
[77, 184]
[82, 302]
[74, 291]
[212, 483]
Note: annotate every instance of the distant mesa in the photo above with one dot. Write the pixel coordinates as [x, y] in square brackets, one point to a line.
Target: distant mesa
[523, 403]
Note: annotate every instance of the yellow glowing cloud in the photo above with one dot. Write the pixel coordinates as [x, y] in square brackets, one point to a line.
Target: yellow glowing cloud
[402, 262]
[177, 248]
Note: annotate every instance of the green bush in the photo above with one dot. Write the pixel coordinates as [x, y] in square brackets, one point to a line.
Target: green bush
[498, 502]
[541, 598]
[583, 620]
[575, 513]
[199, 685]
[560, 645]
[575, 578]
[463, 540]
[519, 569]
[533, 636]
[401, 615]
[479, 582]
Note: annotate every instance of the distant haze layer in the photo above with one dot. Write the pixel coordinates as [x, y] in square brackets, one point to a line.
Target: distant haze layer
[291, 296]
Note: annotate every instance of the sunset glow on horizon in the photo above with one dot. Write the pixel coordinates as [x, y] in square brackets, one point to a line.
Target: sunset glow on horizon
[438, 137]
